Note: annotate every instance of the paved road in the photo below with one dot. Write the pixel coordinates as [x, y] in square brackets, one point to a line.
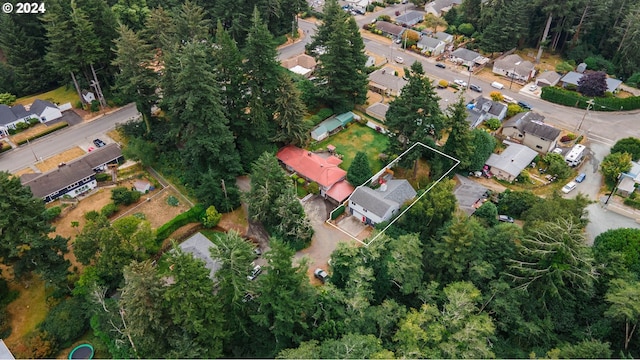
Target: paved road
[297, 48]
[62, 140]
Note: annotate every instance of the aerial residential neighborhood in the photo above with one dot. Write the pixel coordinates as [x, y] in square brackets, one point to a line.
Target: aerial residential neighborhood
[319, 179]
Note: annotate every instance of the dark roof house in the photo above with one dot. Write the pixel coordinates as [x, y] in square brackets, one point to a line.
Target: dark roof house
[573, 77]
[468, 58]
[390, 29]
[411, 18]
[378, 205]
[530, 129]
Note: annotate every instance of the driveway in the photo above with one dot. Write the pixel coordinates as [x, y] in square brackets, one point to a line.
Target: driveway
[325, 239]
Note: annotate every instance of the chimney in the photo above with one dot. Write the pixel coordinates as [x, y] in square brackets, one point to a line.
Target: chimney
[383, 187]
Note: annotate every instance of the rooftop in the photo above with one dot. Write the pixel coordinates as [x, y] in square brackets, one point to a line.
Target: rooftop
[340, 191]
[533, 123]
[411, 17]
[386, 78]
[312, 166]
[513, 159]
[198, 246]
[468, 193]
[469, 55]
[573, 77]
[389, 28]
[379, 201]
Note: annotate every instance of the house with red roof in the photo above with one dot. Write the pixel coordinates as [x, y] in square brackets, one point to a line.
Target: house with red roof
[323, 170]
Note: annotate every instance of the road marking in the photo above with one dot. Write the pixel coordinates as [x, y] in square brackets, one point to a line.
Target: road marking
[600, 139]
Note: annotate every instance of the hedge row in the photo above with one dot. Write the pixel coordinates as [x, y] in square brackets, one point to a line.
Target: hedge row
[193, 215]
[570, 98]
[337, 212]
[4, 147]
[47, 131]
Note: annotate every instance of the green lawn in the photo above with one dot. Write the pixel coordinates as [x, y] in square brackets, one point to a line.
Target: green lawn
[356, 137]
[61, 95]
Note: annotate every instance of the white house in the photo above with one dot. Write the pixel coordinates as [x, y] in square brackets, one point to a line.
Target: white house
[45, 110]
[12, 116]
[431, 45]
[513, 66]
[483, 109]
[510, 163]
[439, 7]
[88, 96]
[375, 206]
[444, 37]
[468, 58]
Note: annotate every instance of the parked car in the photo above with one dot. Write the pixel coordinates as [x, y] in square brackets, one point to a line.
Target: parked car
[533, 87]
[99, 143]
[441, 65]
[254, 273]
[557, 151]
[475, 88]
[497, 85]
[399, 60]
[569, 187]
[507, 99]
[320, 275]
[460, 82]
[580, 178]
[505, 218]
[524, 105]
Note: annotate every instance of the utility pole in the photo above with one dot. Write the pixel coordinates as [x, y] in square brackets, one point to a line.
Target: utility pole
[96, 85]
[614, 188]
[590, 103]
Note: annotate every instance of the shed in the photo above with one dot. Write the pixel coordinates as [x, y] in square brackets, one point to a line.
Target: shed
[142, 186]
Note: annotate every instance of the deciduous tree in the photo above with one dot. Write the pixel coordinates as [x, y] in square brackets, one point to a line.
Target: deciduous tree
[593, 84]
[624, 297]
[629, 145]
[615, 164]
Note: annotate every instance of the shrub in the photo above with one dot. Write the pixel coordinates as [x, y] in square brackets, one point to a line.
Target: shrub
[47, 131]
[22, 126]
[103, 177]
[52, 213]
[211, 217]
[565, 138]
[193, 215]
[123, 196]
[301, 181]
[493, 124]
[172, 201]
[66, 322]
[79, 105]
[314, 188]
[95, 106]
[324, 113]
[37, 345]
[337, 212]
[91, 215]
[569, 98]
[7, 99]
[140, 216]
[4, 147]
[34, 121]
[109, 209]
[496, 96]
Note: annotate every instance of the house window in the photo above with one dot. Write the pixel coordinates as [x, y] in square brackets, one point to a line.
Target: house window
[538, 147]
[520, 135]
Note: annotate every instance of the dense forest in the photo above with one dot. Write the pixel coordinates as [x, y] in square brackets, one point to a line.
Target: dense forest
[437, 284]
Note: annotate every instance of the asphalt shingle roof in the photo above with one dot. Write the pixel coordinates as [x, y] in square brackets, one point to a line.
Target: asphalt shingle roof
[379, 202]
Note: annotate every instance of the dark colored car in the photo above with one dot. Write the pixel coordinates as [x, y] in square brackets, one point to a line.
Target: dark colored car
[524, 105]
[475, 88]
[441, 65]
[99, 143]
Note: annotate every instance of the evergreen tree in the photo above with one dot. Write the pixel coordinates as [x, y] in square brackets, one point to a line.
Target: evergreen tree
[332, 14]
[23, 43]
[136, 79]
[26, 244]
[288, 114]
[415, 115]
[359, 171]
[157, 28]
[189, 24]
[131, 13]
[285, 300]
[459, 143]
[191, 99]
[342, 65]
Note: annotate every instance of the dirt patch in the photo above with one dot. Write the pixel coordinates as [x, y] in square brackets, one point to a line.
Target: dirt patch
[23, 171]
[155, 207]
[235, 220]
[64, 157]
[117, 137]
[374, 97]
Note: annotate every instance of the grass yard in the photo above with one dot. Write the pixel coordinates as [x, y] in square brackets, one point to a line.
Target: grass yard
[356, 137]
[27, 311]
[61, 95]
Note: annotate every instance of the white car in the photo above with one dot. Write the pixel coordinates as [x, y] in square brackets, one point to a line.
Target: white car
[399, 60]
[460, 82]
[533, 87]
[569, 187]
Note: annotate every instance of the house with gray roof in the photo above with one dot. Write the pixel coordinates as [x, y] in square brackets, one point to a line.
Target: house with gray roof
[572, 78]
[514, 66]
[411, 18]
[511, 161]
[483, 109]
[439, 7]
[45, 110]
[468, 58]
[444, 37]
[42, 110]
[548, 78]
[374, 206]
[529, 129]
[5, 353]
[74, 178]
[469, 194]
[384, 81]
[378, 111]
[389, 29]
[199, 247]
[431, 46]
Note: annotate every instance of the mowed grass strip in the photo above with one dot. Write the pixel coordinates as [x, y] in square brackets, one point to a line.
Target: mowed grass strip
[357, 137]
[61, 95]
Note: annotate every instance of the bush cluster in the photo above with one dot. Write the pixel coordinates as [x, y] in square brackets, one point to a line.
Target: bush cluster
[193, 215]
[123, 196]
[103, 177]
[52, 213]
[569, 98]
[47, 131]
[109, 209]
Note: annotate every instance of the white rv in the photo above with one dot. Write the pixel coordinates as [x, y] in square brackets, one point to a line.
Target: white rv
[576, 155]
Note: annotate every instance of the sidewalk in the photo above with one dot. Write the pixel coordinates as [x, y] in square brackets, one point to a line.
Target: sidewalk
[617, 206]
